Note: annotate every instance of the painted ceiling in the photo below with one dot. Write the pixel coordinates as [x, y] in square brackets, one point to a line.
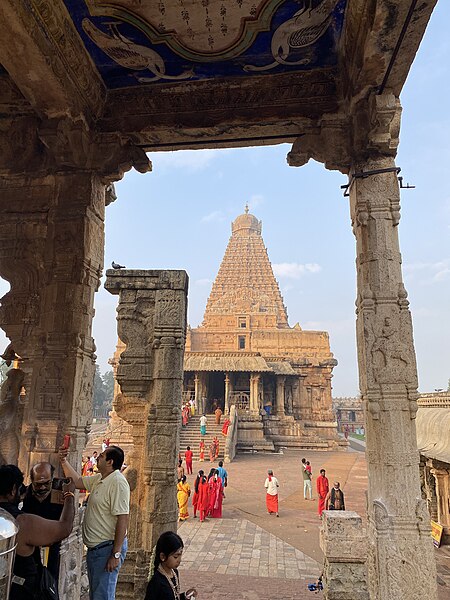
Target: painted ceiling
[135, 42]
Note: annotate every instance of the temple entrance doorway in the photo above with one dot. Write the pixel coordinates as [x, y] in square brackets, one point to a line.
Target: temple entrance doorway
[216, 392]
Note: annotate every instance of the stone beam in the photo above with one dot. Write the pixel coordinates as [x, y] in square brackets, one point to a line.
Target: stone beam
[151, 322]
[44, 55]
[379, 44]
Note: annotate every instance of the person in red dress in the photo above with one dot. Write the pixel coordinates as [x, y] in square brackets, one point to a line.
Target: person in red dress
[188, 458]
[323, 488]
[203, 498]
[215, 496]
[226, 425]
[195, 497]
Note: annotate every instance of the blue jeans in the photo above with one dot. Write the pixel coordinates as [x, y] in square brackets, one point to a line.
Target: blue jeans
[102, 585]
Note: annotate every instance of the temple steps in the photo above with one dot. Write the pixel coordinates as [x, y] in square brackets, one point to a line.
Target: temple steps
[191, 436]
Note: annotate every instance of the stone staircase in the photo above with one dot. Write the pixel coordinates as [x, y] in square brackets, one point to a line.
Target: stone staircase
[190, 436]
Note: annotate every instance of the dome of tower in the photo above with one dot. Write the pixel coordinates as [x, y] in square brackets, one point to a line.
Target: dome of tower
[246, 222]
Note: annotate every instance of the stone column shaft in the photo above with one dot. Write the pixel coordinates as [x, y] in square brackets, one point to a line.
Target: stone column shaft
[227, 393]
[254, 384]
[152, 323]
[398, 519]
[280, 396]
[196, 394]
[442, 478]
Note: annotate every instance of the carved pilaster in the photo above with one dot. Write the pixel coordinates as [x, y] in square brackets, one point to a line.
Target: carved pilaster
[280, 391]
[151, 319]
[227, 393]
[398, 519]
[442, 478]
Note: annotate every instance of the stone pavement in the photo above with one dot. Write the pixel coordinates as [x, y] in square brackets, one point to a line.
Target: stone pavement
[239, 547]
[249, 555]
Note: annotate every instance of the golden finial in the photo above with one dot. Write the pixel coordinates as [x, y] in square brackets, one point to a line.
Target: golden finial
[246, 208]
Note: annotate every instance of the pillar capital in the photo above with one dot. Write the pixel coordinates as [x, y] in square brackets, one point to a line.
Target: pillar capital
[150, 316]
[50, 146]
[370, 128]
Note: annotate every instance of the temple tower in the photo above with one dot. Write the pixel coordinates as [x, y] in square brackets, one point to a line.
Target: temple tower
[245, 354]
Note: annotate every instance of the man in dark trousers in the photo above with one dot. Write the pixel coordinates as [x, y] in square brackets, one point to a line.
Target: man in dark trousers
[38, 501]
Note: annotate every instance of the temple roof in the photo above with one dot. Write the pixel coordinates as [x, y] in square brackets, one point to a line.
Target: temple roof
[245, 283]
[230, 362]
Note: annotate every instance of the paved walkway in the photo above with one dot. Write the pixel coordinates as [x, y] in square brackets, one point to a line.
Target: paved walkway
[249, 555]
[239, 547]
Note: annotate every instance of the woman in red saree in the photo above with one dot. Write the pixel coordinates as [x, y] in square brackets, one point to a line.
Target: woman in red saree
[271, 484]
[215, 496]
[203, 498]
[226, 425]
[195, 497]
[185, 415]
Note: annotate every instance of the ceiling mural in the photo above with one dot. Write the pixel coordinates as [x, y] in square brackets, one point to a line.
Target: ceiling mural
[136, 42]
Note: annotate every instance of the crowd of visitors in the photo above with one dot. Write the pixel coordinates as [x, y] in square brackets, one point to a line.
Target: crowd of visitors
[45, 512]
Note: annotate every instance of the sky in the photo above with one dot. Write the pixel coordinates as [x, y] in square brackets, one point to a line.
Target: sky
[179, 217]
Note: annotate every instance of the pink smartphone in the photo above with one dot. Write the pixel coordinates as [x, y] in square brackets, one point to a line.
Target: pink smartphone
[66, 442]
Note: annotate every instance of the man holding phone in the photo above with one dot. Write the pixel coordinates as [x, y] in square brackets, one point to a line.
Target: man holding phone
[40, 500]
[105, 521]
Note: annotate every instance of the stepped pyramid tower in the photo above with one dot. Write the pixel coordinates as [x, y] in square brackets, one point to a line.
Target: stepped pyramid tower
[245, 282]
[245, 354]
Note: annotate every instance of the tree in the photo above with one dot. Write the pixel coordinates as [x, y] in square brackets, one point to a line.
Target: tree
[99, 392]
[108, 386]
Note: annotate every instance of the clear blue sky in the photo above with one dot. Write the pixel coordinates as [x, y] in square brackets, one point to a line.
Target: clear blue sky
[179, 217]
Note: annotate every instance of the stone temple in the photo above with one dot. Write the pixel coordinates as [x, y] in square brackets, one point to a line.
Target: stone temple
[245, 354]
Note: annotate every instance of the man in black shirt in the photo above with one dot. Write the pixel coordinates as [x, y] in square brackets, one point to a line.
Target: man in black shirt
[38, 501]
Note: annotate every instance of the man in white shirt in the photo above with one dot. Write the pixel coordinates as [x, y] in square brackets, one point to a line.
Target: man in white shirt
[105, 521]
[272, 486]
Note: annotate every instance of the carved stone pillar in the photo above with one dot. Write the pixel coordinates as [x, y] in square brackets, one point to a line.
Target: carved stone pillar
[280, 396]
[227, 393]
[363, 144]
[51, 252]
[398, 529]
[442, 478]
[296, 397]
[254, 386]
[151, 318]
[196, 395]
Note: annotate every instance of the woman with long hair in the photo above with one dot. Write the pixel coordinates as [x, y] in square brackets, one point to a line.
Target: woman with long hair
[196, 495]
[164, 581]
[183, 493]
[203, 498]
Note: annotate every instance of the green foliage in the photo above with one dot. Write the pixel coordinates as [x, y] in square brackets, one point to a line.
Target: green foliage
[103, 388]
[108, 386]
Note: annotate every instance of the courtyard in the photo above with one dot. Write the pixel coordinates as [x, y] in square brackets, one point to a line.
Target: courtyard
[250, 555]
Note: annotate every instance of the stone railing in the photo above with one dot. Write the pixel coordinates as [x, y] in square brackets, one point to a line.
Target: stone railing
[230, 442]
[437, 400]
